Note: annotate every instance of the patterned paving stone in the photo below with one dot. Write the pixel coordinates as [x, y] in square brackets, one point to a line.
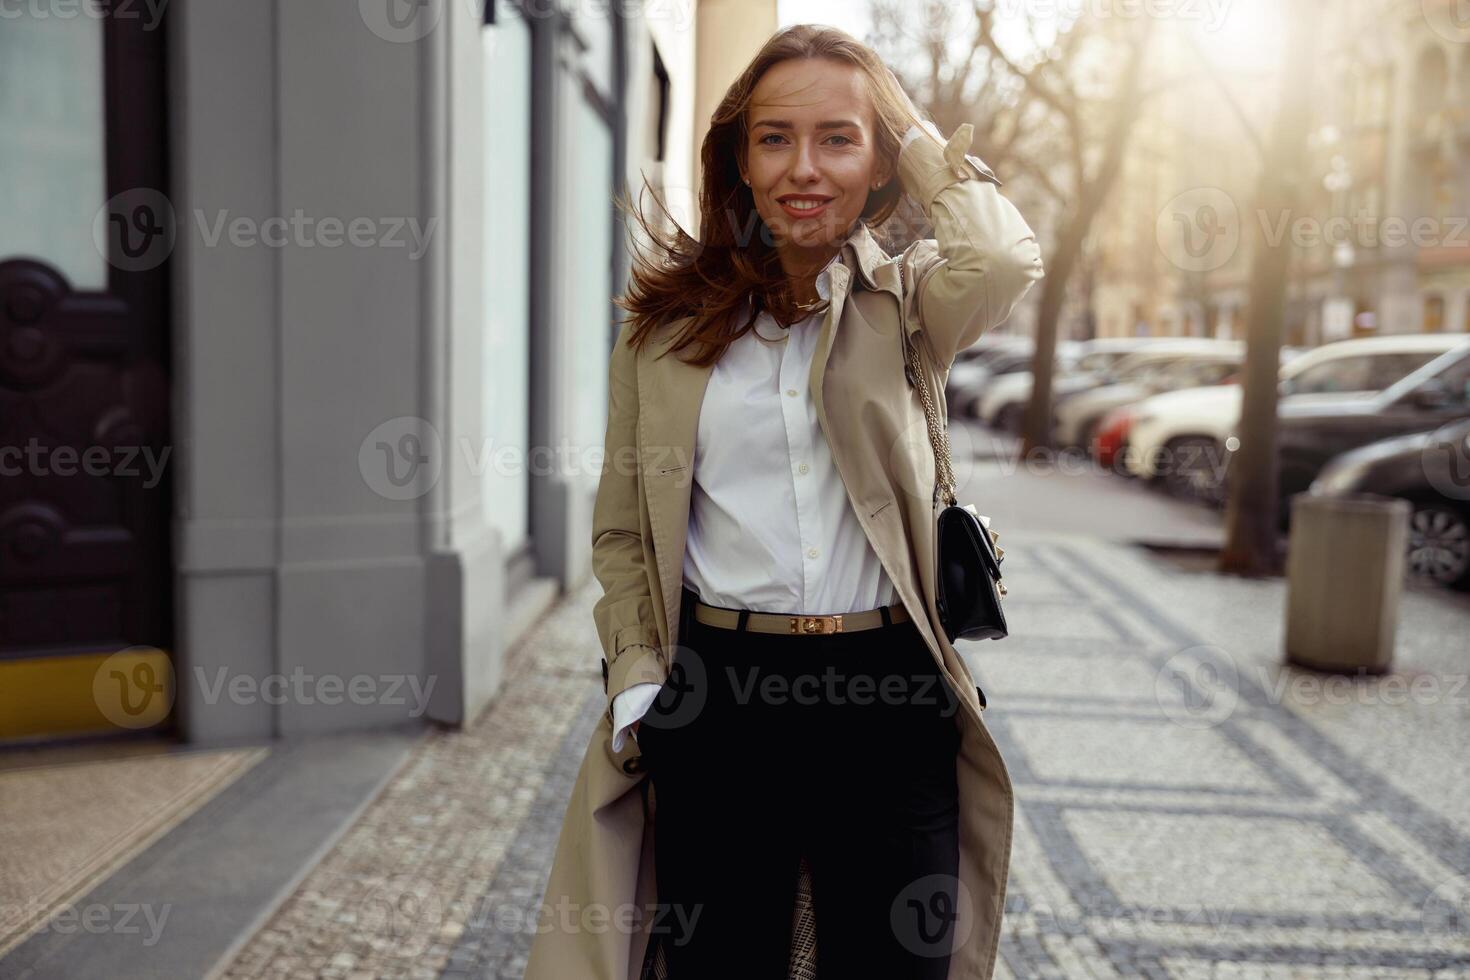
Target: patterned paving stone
[1036, 669]
[1142, 752]
[1219, 865]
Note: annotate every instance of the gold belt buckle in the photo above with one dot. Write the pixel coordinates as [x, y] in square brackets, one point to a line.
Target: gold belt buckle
[816, 624]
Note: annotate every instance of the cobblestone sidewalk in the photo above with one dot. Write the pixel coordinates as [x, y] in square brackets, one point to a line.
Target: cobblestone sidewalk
[1186, 807]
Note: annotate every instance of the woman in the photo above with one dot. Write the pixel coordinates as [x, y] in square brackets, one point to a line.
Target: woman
[763, 532]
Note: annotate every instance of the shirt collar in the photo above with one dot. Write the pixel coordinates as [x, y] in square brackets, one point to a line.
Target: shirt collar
[859, 253]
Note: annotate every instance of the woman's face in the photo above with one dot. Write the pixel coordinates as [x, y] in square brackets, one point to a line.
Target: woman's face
[812, 156]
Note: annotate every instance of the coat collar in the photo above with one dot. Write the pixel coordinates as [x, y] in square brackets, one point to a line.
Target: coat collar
[862, 254]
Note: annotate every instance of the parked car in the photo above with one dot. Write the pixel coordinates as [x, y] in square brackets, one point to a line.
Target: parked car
[972, 366]
[1002, 403]
[1179, 437]
[1110, 444]
[1431, 470]
[1311, 433]
[966, 397]
[1140, 375]
[1113, 444]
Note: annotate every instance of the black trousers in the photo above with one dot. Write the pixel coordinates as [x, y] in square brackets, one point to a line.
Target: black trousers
[763, 748]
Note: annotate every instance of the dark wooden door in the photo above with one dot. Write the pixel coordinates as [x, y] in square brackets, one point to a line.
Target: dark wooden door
[84, 367]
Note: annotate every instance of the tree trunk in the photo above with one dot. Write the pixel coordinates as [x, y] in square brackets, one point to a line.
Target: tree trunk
[1059, 266]
[1252, 518]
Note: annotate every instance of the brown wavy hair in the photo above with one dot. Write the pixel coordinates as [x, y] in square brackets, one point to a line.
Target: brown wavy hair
[712, 277]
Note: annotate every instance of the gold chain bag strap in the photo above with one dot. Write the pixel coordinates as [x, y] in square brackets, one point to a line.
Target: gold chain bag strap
[968, 581]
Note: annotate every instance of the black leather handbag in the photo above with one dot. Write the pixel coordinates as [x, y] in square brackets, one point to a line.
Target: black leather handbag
[967, 577]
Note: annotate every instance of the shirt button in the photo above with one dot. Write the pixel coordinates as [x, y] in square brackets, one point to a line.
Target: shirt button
[791, 391]
[802, 468]
[811, 552]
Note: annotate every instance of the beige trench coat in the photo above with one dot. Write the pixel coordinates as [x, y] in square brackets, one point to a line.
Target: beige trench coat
[594, 922]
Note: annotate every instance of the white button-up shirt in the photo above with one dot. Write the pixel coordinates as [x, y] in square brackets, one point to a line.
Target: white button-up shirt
[770, 525]
[771, 528]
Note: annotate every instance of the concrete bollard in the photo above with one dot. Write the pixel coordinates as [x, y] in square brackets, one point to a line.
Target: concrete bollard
[1345, 573]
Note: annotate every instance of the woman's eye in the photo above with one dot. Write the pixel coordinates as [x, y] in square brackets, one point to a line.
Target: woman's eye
[847, 140]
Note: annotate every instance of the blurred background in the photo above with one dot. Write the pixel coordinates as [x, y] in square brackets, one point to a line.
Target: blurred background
[305, 312]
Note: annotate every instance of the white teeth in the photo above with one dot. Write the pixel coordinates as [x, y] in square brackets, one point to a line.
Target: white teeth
[805, 205]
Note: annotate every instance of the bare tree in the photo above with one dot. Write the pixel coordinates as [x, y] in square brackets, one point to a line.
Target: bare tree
[1252, 516]
[1060, 113]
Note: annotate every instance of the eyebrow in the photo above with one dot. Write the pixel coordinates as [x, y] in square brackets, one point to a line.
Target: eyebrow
[788, 124]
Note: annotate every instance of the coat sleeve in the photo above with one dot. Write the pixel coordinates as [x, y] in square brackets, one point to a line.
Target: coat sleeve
[983, 258]
[624, 614]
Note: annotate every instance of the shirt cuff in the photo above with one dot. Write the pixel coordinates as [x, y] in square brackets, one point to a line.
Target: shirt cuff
[631, 704]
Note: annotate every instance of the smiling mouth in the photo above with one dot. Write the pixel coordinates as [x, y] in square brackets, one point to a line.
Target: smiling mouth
[804, 207]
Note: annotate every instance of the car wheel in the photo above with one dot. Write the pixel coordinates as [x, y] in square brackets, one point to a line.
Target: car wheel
[1008, 419]
[1439, 545]
[1192, 470]
[1087, 434]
